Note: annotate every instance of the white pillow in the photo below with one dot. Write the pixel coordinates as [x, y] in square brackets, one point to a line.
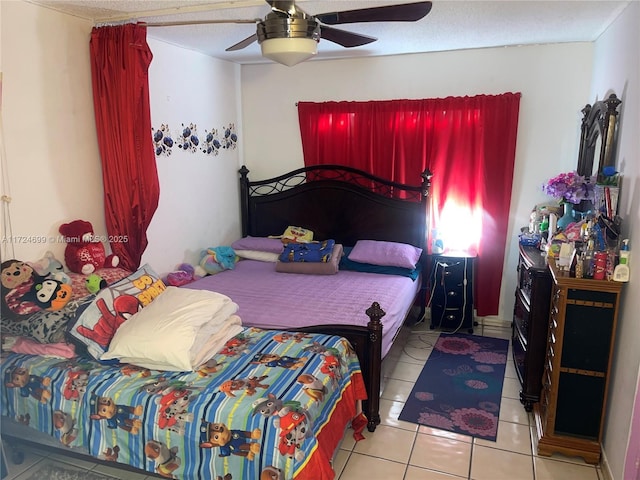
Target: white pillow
[182, 331]
[258, 255]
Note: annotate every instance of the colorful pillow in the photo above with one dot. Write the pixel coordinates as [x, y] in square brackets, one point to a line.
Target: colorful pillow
[313, 268]
[95, 326]
[260, 244]
[179, 331]
[390, 254]
[346, 264]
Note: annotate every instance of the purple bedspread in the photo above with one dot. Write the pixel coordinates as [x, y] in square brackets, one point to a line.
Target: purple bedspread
[274, 300]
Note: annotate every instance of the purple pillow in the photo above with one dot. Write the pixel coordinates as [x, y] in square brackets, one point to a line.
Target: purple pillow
[260, 244]
[388, 254]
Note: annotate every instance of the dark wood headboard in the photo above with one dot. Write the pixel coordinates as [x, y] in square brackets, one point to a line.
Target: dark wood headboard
[337, 202]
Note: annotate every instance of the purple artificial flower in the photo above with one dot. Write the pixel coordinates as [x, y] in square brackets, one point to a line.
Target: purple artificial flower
[570, 187]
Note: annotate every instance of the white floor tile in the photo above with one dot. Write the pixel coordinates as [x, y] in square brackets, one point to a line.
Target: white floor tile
[389, 412]
[513, 437]
[442, 455]
[550, 469]
[388, 443]
[365, 467]
[494, 464]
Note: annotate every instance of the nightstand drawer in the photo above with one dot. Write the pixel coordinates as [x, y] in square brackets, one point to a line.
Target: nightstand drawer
[452, 292]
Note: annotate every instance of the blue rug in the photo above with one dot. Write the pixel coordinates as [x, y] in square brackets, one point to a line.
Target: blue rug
[460, 386]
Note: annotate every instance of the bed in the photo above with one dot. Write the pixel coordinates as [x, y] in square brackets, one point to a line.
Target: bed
[346, 205]
[181, 389]
[267, 404]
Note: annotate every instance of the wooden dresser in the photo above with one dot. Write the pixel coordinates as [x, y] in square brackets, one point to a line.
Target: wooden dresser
[580, 341]
[530, 322]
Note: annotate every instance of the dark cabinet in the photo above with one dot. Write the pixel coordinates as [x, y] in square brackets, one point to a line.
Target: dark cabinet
[530, 321]
[452, 292]
[580, 339]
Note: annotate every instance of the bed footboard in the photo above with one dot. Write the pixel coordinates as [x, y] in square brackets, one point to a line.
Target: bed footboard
[367, 343]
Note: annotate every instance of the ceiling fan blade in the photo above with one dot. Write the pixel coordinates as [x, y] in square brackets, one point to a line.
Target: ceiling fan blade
[407, 12]
[344, 38]
[242, 44]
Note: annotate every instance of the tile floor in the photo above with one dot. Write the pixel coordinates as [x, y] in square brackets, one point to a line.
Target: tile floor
[404, 451]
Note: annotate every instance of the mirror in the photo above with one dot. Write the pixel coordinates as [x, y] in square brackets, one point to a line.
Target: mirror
[598, 136]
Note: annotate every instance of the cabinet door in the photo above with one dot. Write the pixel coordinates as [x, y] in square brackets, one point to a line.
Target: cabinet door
[588, 327]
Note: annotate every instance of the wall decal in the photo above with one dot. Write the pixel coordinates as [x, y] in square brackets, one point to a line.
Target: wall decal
[188, 138]
[211, 144]
[162, 141]
[230, 137]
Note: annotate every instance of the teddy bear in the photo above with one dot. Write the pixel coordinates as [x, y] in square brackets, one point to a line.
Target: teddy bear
[83, 254]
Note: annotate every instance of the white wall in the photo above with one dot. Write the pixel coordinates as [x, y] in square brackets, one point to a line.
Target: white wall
[617, 70]
[553, 79]
[199, 199]
[49, 128]
[52, 153]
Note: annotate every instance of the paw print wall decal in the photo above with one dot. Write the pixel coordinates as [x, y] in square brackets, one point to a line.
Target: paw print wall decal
[211, 144]
[188, 138]
[162, 141]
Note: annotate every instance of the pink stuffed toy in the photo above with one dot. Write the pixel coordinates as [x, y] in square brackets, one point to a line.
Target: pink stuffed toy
[83, 254]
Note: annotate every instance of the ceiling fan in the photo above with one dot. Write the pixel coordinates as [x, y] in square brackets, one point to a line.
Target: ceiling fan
[289, 35]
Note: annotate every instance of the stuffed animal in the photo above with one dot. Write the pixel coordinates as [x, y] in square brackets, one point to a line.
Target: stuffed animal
[83, 254]
[184, 274]
[216, 259]
[50, 266]
[24, 292]
[95, 283]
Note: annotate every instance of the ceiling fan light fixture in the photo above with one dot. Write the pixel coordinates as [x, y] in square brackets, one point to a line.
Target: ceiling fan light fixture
[289, 51]
[288, 40]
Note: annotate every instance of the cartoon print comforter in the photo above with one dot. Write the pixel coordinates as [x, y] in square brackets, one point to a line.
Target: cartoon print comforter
[268, 402]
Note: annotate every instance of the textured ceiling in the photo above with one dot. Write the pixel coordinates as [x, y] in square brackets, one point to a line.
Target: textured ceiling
[451, 24]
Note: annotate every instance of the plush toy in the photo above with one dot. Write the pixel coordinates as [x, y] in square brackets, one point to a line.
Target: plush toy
[295, 234]
[95, 283]
[216, 259]
[49, 266]
[24, 292]
[83, 254]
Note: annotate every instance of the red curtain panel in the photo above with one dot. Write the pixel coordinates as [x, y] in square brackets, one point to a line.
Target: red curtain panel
[120, 59]
[467, 142]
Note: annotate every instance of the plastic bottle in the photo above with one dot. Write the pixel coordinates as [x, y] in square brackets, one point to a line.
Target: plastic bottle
[621, 272]
[587, 265]
[544, 225]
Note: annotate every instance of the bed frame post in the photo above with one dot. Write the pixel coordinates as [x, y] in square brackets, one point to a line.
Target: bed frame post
[244, 199]
[372, 369]
[424, 260]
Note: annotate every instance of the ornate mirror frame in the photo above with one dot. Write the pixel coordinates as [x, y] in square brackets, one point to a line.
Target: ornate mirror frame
[598, 136]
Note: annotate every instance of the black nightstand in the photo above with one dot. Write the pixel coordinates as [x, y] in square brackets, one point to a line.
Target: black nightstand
[451, 291]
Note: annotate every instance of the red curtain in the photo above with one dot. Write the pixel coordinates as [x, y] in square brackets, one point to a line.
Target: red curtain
[120, 59]
[467, 142]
